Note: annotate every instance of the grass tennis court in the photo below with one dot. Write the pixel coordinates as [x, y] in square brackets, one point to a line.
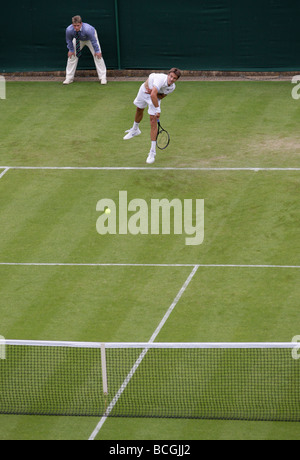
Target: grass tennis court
[61, 280]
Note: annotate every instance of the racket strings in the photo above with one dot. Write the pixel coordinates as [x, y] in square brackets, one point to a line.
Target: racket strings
[163, 139]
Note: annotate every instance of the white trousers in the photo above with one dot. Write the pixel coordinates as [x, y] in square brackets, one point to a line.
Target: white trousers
[73, 60]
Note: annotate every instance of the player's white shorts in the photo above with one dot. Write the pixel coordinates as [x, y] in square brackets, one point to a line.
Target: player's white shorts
[143, 100]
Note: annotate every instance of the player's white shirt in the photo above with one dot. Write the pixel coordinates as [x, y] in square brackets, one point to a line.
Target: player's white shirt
[160, 81]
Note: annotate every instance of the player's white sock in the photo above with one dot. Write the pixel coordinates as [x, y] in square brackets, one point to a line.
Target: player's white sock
[135, 125]
[153, 146]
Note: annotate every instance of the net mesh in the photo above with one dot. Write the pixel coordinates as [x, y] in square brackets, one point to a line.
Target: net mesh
[203, 383]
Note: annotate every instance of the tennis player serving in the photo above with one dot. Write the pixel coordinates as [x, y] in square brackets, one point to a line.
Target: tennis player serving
[156, 87]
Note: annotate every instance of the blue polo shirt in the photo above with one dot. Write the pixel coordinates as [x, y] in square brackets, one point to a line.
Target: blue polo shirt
[86, 33]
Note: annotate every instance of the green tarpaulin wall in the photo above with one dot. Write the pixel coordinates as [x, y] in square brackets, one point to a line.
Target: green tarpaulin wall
[250, 35]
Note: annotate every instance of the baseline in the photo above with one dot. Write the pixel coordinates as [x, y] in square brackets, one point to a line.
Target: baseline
[136, 168]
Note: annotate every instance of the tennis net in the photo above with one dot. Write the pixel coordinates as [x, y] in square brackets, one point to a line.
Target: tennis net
[237, 381]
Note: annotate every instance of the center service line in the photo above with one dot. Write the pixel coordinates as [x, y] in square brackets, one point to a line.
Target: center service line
[142, 355]
[4, 172]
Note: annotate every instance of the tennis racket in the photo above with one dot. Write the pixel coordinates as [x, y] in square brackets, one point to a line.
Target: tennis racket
[163, 137]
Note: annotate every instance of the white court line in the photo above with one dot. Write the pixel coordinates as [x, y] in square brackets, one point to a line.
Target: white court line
[133, 168]
[140, 358]
[50, 264]
[4, 172]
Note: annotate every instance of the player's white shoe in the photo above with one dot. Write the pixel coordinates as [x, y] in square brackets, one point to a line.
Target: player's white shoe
[151, 158]
[132, 133]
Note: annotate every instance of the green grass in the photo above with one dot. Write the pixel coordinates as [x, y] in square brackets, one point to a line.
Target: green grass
[217, 124]
[49, 216]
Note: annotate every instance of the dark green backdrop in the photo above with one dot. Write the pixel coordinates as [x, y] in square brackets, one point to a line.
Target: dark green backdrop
[259, 35]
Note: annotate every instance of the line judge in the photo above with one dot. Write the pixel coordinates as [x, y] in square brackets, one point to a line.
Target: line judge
[78, 35]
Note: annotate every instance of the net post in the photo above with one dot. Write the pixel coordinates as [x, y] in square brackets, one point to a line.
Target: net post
[104, 372]
[2, 347]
